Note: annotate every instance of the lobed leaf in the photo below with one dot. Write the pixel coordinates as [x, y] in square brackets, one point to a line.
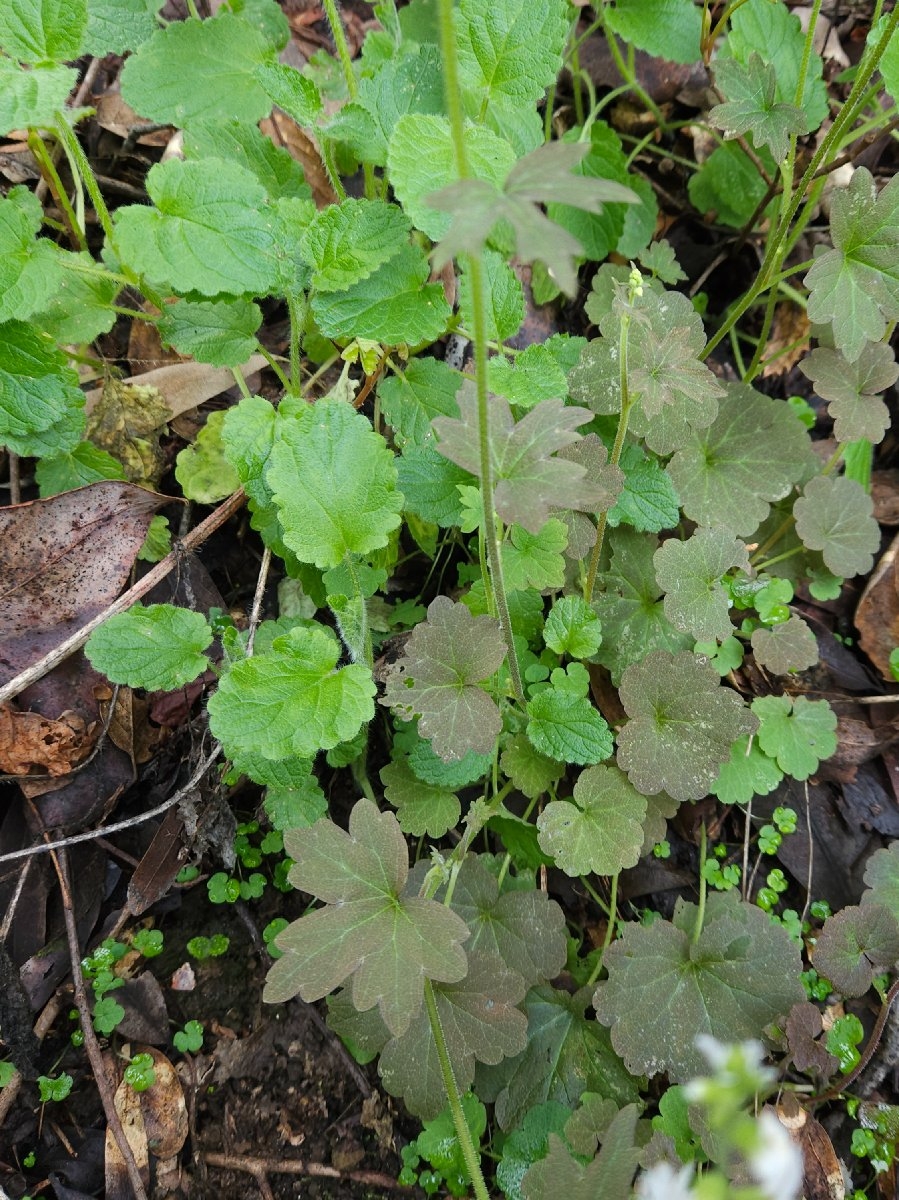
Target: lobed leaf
[790, 646]
[292, 701]
[853, 389]
[422, 808]
[387, 942]
[445, 658]
[572, 627]
[834, 515]
[599, 829]
[530, 771]
[750, 105]
[648, 501]
[665, 987]
[749, 772]
[797, 732]
[609, 1175]
[682, 724]
[855, 944]
[690, 573]
[535, 560]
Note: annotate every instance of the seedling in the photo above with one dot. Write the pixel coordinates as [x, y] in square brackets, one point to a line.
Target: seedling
[208, 947]
[140, 1074]
[189, 1040]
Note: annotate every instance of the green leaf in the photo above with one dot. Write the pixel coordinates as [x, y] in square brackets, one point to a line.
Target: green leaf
[429, 768]
[505, 298]
[430, 485]
[31, 99]
[480, 1020]
[81, 307]
[541, 177]
[523, 928]
[834, 515]
[667, 29]
[530, 771]
[30, 268]
[728, 185]
[395, 305]
[529, 479]
[889, 63]
[159, 648]
[660, 259]
[630, 605]
[648, 501]
[421, 159]
[776, 33]
[114, 26]
[599, 829]
[421, 390]
[293, 798]
[219, 57]
[437, 679]
[566, 1055]
[572, 628]
[666, 987]
[750, 772]
[40, 31]
[882, 878]
[202, 469]
[855, 945]
[333, 480]
[609, 1175]
[750, 105]
[422, 808]
[75, 468]
[292, 701]
[412, 83]
[751, 455]
[853, 389]
[297, 94]
[690, 573]
[597, 232]
[534, 375]
[535, 560]
[236, 141]
[790, 646]
[682, 724]
[209, 232]
[219, 332]
[566, 726]
[438, 1142]
[388, 942]
[855, 286]
[40, 401]
[347, 242]
[528, 1144]
[797, 732]
[511, 49]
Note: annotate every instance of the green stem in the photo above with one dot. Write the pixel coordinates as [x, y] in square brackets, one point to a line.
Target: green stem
[610, 929]
[275, 366]
[475, 272]
[463, 1133]
[72, 147]
[296, 308]
[703, 886]
[340, 42]
[38, 148]
[716, 32]
[628, 74]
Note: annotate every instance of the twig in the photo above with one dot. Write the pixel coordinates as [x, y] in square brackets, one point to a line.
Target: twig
[256, 610]
[255, 1166]
[118, 826]
[91, 1045]
[868, 1052]
[60, 653]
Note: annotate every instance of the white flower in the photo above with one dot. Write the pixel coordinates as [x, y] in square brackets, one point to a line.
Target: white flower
[662, 1182]
[776, 1165]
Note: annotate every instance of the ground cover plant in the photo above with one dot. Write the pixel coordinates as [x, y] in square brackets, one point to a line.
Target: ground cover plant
[539, 617]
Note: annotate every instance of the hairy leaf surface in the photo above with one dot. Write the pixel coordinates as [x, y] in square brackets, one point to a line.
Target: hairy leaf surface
[599, 829]
[159, 648]
[422, 808]
[510, 50]
[855, 944]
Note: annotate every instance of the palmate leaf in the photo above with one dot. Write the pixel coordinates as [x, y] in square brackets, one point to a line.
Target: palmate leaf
[630, 605]
[567, 1054]
[853, 389]
[541, 177]
[730, 473]
[437, 679]
[209, 231]
[481, 1022]
[389, 943]
[790, 646]
[422, 808]
[682, 724]
[690, 573]
[665, 988]
[609, 1175]
[333, 481]
[798, 733]
[882, 878]
[750, 105]
[572, 627]
[835, 515]
[599, 233]
[510, 50]
[530, 480]
[530, 771]
[293, 700]
[158, 648]
[855, 286]
[750, 772]
[855, 944]
[599, 829]
[535, 560]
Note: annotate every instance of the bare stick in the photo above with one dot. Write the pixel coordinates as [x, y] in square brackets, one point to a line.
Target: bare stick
[60, 653]
[288, 1166]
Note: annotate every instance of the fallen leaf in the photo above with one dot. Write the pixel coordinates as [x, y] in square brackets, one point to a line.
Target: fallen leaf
[30, 742]
[184, 385]
[877, 614]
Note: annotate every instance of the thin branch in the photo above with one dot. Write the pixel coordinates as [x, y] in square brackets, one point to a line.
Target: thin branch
[257, 1166]
[60, 653]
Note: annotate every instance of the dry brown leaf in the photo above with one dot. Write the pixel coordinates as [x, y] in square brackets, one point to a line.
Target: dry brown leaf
[30, 742]
[877, 614]
[284, 131]
[128, 1107]
[128, 421]
[823, 1176]
[62, 561]
[185, 385]
[788, 341]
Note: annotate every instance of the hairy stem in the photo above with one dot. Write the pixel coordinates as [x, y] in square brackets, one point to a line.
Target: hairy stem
[45, 161]
[72, 147]
[463, 1133]
[703, 886]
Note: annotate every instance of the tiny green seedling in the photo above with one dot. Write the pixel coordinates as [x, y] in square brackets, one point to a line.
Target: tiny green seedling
[189, 1040]
[140, 1074]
